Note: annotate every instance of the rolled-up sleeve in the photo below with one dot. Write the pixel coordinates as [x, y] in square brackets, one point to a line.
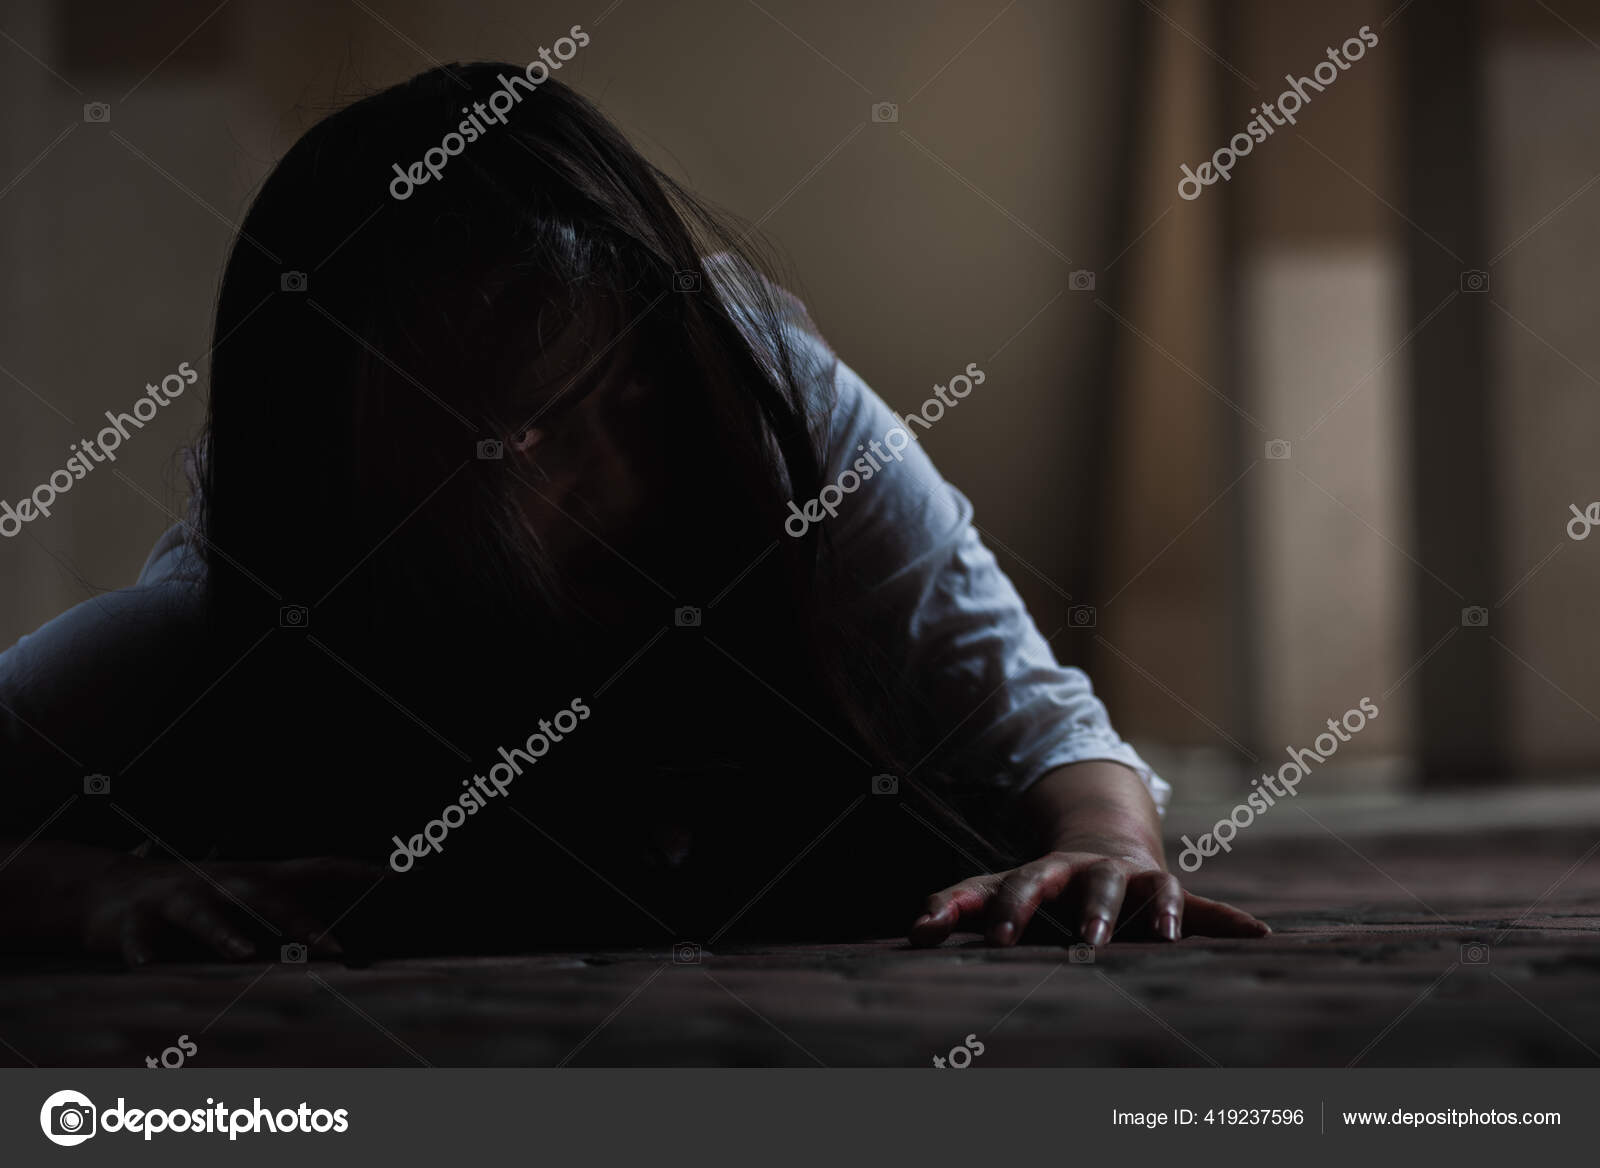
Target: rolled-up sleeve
[997, 710]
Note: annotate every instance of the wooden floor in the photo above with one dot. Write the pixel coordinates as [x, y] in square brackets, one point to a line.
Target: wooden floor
[1372, 910]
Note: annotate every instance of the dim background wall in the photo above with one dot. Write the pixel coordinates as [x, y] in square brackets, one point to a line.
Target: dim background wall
[1115, 453]
[921, 245]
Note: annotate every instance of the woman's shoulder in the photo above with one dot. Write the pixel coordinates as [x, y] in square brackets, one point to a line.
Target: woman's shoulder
[175, 560]
[126, 634]
[841, 405]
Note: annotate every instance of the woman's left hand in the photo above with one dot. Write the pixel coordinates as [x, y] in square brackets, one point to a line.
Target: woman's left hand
[1101, 835]
[1089, 887]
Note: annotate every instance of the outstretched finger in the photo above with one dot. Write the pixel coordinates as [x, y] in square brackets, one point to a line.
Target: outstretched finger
[1212, 918]
[1098, 892]
[137, 939]
[948, 908]
[293, 923]
[190, 913]
[1019, 897]
[1154, 905]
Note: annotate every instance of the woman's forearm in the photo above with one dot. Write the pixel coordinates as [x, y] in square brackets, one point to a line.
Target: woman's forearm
[1092, 806]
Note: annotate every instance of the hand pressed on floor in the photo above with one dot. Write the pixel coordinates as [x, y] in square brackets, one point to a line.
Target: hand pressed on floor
[1088, 891]
[1102, 873]
[145, 911]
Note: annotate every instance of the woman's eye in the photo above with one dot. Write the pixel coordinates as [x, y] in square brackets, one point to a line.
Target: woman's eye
[531, 438]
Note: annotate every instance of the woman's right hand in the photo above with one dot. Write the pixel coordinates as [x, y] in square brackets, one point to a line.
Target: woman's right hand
[145, 910]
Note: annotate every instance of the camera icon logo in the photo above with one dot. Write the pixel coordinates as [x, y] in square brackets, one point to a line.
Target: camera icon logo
[686, 953]
[293, 953]
[885, 785]
[1081, 954]
[1082, 616]
[292, 282]
[1278, 448]
[1474, 280]
[294, 616]
[68, 1118]
[97, 111]
[1474, 953]
[1475, 617]
[885, 112]
[1081, 280]
[687, 617]
[96, 785]
[490, 449]
[686, 281]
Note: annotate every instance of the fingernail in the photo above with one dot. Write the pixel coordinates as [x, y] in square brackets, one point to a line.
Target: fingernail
[1169, 926]
[1098, 932]
[1002, 933]
[924, 919]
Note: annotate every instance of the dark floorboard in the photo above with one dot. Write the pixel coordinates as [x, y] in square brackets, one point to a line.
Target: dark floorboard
[1366, 966]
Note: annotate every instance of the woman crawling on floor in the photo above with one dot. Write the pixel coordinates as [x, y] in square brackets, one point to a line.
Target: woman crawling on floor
[549, 582]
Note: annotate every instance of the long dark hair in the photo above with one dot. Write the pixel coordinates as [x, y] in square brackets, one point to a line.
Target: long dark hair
[362, 348]
[357, 543]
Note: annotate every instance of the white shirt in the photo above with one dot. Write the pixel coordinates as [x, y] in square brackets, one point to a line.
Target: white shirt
[907, 535]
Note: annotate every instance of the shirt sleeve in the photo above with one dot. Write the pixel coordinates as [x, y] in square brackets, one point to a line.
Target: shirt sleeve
[93, 688]
[999, 710]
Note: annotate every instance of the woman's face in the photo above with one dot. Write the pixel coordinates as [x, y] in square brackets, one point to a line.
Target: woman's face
[592, 461]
